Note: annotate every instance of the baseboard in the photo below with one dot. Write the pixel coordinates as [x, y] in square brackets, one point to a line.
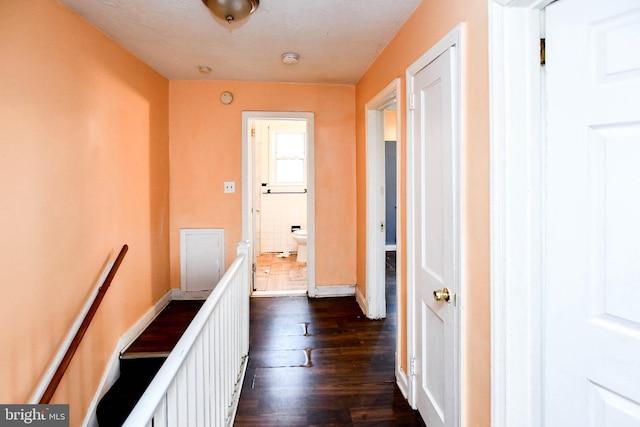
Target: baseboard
[403, 381]
[111, 374]
[178, 294]
[112, 371]
[335, 291]
[269, 294]
[362, 301]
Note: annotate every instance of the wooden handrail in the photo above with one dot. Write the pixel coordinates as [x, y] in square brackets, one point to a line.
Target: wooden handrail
[75, 343]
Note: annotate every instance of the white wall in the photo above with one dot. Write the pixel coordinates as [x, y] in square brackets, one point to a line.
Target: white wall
[279, 213]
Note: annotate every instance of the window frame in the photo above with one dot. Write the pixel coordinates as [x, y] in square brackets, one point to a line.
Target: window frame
[273, 161]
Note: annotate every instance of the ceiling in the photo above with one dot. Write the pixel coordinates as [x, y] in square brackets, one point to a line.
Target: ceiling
[337, 40]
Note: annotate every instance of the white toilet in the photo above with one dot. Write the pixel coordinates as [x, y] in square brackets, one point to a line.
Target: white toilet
[300, 236]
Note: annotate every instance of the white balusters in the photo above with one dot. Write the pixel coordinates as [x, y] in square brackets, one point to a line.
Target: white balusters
[200, 382]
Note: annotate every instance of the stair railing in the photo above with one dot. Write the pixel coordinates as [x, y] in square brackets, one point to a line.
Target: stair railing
[82, 329]
[200, 382]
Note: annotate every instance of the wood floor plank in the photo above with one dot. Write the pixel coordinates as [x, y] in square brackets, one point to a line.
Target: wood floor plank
[166, 329]
[321, 362]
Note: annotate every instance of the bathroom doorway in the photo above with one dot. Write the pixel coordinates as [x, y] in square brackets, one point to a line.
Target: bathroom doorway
[278, 198]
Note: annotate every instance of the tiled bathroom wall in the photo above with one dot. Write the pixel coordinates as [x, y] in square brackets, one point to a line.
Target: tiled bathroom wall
[278, 212]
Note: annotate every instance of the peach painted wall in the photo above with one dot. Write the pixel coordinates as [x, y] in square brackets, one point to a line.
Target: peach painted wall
[206, 150]
[83, 170]
[390, 127]
[428, 24]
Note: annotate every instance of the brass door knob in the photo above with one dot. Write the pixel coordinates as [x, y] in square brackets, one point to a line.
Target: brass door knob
[442, 294]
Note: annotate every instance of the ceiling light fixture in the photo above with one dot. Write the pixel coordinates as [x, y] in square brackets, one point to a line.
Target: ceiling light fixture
[290, 58]
[232, 10]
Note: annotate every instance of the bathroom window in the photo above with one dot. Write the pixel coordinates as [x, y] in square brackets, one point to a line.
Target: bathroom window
[289, 165]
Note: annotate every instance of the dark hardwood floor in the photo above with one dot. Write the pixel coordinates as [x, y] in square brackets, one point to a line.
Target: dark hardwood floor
[166, 329]
[321, 362]
[142, 360]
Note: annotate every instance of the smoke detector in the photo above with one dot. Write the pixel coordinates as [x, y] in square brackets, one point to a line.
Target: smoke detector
[290, 58]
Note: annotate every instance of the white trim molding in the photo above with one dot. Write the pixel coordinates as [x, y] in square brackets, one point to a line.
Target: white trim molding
[335, 291]
[376, 303]
[516, 108]
[361, 300]
[248, 187]
[402, 380]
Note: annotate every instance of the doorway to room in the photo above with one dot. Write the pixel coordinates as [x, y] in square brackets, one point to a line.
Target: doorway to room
[278, 196]
[382, 200]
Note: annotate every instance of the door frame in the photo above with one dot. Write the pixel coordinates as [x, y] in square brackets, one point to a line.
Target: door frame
[516, 227]
[454, 40]
[375, 302]
[248, 188]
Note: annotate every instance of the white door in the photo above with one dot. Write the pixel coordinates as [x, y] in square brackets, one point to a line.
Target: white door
[434, 256]
[592, 215]
[201, 258]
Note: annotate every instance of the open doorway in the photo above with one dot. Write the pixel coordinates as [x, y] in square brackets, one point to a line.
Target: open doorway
[278, 201]
[382, 195]
[391, 177]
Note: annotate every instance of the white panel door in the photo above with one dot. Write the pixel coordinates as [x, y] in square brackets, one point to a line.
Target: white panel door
[201, 258]
[434, 243]
[592, 215]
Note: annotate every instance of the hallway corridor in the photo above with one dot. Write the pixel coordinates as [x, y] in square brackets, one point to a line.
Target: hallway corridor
[318, 362]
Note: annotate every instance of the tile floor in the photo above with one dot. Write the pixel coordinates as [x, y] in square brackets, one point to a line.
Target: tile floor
[274, 273]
